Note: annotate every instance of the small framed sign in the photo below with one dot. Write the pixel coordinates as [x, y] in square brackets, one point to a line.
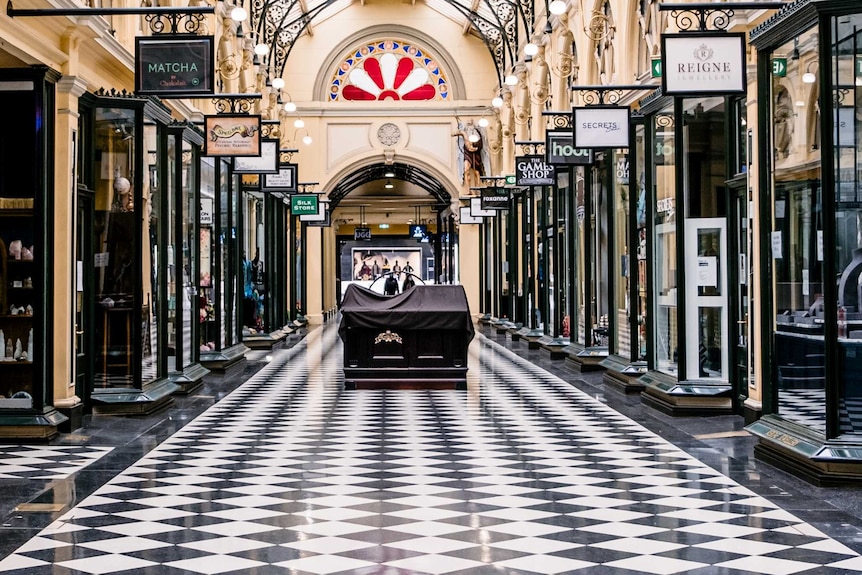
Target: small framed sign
[476, 209]
[282, 181]
[232, 135]
[304, 205]
[560, 150]
[533, 171]
[703, 64]
[265, 163]
[469, 218]
[495, 198]
[601, 127]
[175, 66]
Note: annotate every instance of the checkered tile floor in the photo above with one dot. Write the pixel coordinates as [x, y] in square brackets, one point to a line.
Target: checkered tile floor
[520, 475]
[46, 462]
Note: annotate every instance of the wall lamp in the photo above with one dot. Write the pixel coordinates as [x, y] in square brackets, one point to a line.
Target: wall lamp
[809, 77]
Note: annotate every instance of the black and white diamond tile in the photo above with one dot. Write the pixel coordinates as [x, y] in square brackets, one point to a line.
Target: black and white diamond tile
[46, 462]
[520, 475]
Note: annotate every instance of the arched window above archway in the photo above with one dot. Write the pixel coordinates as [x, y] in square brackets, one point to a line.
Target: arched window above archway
[388, 69]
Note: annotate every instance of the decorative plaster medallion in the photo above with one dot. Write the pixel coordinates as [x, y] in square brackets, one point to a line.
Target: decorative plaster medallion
[391, 69]
[389, 134]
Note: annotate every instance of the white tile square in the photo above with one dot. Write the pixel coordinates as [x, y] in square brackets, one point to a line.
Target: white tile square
[244, 514]
[534, 545]
[426, 514]
[638, 545]
[517, 514]
[138, 528]
[431, 545]
[334, 514]
[739, 546]
[16, 563]
[657, 565]
[123, 544]
[323, 545]
[767, 565]
[236, 528]
[213, 564]
[526, 529]
[106, 564]
[331, 528]
[434, 564]
[546, 564]
[428, 528]
[155, 514]
[622, 529]
[225, 545]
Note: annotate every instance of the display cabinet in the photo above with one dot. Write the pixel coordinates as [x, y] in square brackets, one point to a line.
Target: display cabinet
[25, 212]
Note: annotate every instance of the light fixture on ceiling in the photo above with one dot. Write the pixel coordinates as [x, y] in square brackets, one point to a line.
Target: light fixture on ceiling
[306, 139]
[799, 103]
[389, 185]
[389, 174]
[278, 83]
[557, 7]
[289, 106]
[298, 123]
[483, 122]
[238, 14]
[261, 49]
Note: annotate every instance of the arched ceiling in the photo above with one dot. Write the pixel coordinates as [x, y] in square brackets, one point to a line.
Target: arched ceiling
[414, 194]
[501, 24]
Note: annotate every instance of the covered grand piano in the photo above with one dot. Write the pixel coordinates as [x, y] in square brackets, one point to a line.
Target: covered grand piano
[416, 339]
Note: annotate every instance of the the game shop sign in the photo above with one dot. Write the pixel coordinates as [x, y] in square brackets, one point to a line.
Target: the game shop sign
[533, 171]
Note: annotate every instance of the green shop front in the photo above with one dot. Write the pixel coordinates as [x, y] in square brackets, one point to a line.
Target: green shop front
[810, 226]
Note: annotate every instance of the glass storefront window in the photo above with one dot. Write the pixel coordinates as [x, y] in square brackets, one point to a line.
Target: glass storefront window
[188, 216]
[664, 182]
[116, 247]
[206, 267]
[580, 255]
[640, 250]
[151, 267]
[174, 278]
[601, 249]
[797, 237]
[846, 58]
[620, 261]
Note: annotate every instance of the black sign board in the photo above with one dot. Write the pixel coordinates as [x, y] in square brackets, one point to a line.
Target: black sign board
[495, 199]
[362, 234]
[418, 231]
[533, 171]
[560, 150]
[283, 181]
[175, 66]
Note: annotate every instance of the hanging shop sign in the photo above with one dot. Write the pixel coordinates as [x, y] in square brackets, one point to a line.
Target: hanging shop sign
[232, 135]
[477, 211]
[323, 222]
[418, 231]
[467, 217]
[703, 64]
[560, 150]
[283, 181]
[319, 216]
[533, 171]
[362, 234]
[265, 163]
[303, 204]
[174, 67]
[601, 127]
[495, 198]
[206, 214]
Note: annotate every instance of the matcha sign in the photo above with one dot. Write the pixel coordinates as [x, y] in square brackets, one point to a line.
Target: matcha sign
[174, 67]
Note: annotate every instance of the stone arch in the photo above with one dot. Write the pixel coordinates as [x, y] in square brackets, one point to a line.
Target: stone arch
[447, 61]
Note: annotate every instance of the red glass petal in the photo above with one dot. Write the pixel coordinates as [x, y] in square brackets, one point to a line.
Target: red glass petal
[372, 67]
[354, 93]
[426, 92]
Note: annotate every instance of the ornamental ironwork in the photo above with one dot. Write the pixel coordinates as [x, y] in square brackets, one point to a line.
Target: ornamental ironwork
[235, 103]
[176, 23]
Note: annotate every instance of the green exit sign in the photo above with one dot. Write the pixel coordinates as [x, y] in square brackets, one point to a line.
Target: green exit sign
[779, 67]
[510, 180]
[655, 68]
[303, 204]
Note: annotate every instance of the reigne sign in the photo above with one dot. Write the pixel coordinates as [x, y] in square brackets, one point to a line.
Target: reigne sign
[703, 63]
[601, 127]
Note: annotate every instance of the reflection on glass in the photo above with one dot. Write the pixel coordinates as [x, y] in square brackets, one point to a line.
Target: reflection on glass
[116, 245]
[641, 249]
[151, 267]
[667, 324]
[580, 255]
[621, 301]
[207, 246]
[847, 96]
[189, 241]
[796, 242]
[174, 287]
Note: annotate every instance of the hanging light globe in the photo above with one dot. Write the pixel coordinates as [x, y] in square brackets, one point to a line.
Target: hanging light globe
[261, 49]
[531, 49]
[497, 102]
[511, 80]
[299, 123]
[238, 14]
[483, 122]
[278, 83]
[289, 107]
[306, 139]
[557, 7]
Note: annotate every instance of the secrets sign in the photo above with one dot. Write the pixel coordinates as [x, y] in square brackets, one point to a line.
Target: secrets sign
[175, 67]
[533, 171]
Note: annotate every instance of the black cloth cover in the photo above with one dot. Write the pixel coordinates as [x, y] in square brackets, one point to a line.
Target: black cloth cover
[438, 307]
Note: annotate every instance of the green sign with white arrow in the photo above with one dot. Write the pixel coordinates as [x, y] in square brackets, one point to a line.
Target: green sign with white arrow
[655, 68]
[779, 67]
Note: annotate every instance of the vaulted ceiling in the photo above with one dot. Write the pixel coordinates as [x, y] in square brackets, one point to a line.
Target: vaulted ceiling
[501, 24]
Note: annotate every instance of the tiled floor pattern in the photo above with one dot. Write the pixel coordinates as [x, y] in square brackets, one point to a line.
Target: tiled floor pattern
[46, 462]
[521, 474]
